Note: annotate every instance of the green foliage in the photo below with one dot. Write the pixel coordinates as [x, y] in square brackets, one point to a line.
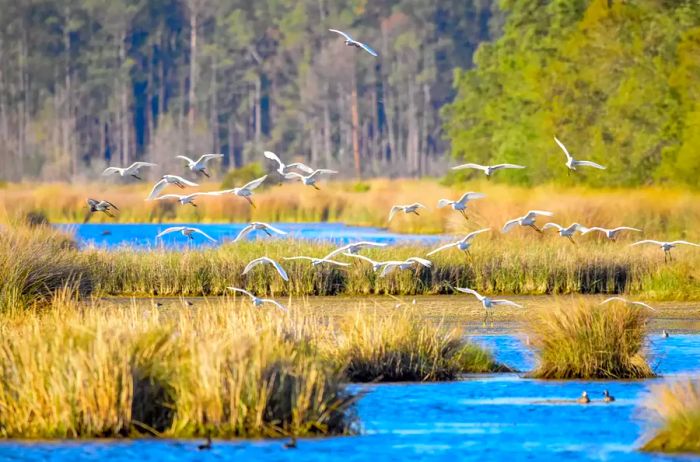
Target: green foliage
[238, 177]
[617, 82]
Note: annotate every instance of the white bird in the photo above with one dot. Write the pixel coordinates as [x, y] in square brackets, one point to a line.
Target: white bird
[487, 302]
[269, 261]
[376, 265]
[186, 231]
[200, 165]
[665, 246]
[572, 163]
[610, 233]
[527, 220]
[462, 244]
[131, 170]
[487, 169]
[460, 205]
[317, 261]
[258, 226]
[565, 232]
[310, 179]
[354, 248]
[410, 208]
[186, 199]
[169, 179]
[349, 41]
[99, 206]
[244, 191]
[623, 300]
[258, 301]
[390, 266]
[283, 168]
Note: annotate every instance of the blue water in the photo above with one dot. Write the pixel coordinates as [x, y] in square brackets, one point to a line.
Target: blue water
[144, 235]
[484, 418]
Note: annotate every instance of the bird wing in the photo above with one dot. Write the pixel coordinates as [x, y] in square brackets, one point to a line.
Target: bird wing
[542, 213]
[199, 231]
[112, 170]
[421, 261]
[613, 299]
[685, 242]
[466, 197]
[595, 228]
[172, 229]
[502, 166]
[552, 225]
[322, 171]
[303, 167]
[346, 36]
[625, 228]
[244, 232]
[236, 289]
[277, 304]
[157, 188]
[505, 302]
[510, 225]
[647, 241]
[333, 262]
[337, 251]
[444, 203]
[292, 175]
[169, 196]
[475, 166]
[418, 205]
[471, 235]
[367, 48]
[184, 181]
[644, 305]
[266, 260]
[142, 164]
[111, 205]
[190, 161]
[440, 249]
[362, 257]
[207, 157]
[272, 156]
[563, 148]
[255, 183]
[273, 229]
[393, 211]
[299, 258]
[588, 163]
[469, 291]
[92, 202]
[388, 268]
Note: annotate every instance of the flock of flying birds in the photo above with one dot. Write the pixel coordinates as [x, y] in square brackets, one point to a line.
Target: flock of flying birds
[309, 176]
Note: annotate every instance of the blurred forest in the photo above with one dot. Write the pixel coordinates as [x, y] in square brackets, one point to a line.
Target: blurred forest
[90, 83]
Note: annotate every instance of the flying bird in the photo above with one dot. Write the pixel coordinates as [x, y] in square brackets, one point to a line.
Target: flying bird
[461, 204]
[623, 300]
[572, 163]
[487, 303]
[463, 244]
[186, 231]
[566, 232]
[258, 226]
[416, 262]
[266, 261]
[186, 199]
[283, 168]
[349, 41]
[317, 261]
[527, 220]
[354, 248]
[200, 165]
[411, 208]
[99, 206]
[245, 191]
[258, 301]
[488, 169]
[376, 265]
[131, 170]
[665, 246]
[611, 233]
[310, 179]
[165, 181]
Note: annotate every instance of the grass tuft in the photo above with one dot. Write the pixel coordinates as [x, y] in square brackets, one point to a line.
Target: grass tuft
[675, 408]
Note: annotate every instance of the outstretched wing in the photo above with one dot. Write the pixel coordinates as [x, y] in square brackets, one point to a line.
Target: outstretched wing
[510, 225]
[266, 260]
[647, 241]
[273, 229]
[595, 228]
[367, 49]
[333, 262]
[626, 228]
[345, 36]
[157, 188]
[542, 213]
[470, 196]
[112, 170]
[552, 225]
[169, 196]
[272, 156]
[440, 249]
[613, 299]
[588, 163]
[444, 203]
[236, 289]
[421, 261]
[505, 302]
[277, 304]
[685, 243]
[469, 291]
[299, 258]
[471, 235]
[393, 211]
[293, 175]
[502, 166]
[207, 157]
[563, 148]
[255, 183]
[138, 165]
[466, 166]
[189, 161]
[172, 229]
[185, 181]
[299, 166]
[322, 171]
[111, 205]
[244, 232]
[644, 305]
[199, 231]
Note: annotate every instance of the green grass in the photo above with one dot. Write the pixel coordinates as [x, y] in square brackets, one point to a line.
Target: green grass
[674, 408]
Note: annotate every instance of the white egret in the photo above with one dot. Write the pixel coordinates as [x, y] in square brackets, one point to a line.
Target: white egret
[310, 179]
[527, 220]
[186, 231]
[610, 233]
[131, 170]
[416, 262]
[462, 244]
[487, 303]
[200, 165]
[623, 300]
[317, 261]
[185, 199]
[95, 205]
[565, 232]
[460, 205]
[244, 191]
[410, 208]
[354, 248]
[488, 169]
[266, 261]
[349, 41]
[258, 301]
[283, 168]
[572, 163]
[665, 246]
[376, 265]
[258, 226]
[165, 181]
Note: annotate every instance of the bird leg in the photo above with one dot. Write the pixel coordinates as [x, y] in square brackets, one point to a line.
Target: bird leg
[533, 226]
[316, 187]
[250, 201]
[180, 185]
[571, 239]
[203, 171]
[193, 204]
[267, 232]
[464, 214]
[108, 214]
[486, 316]
[416, 212]
[137, 177]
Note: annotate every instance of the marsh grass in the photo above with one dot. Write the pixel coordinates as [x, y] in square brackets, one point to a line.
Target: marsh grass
[582, 341]
[675, 410]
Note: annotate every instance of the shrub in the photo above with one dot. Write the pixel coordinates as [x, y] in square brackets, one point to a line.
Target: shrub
[675, 408]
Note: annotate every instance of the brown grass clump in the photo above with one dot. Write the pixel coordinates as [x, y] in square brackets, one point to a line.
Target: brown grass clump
[675, 409]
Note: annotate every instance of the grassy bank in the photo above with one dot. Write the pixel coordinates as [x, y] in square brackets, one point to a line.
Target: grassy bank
[674, 409]
[581, 341]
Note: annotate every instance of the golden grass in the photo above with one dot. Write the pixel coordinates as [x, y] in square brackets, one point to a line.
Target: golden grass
[675, 409]
[582, 341]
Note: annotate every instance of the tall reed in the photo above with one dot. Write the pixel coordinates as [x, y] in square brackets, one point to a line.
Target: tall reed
[674, 408]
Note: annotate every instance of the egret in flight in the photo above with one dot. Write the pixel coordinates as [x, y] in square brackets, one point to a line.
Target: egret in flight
[488, 169]
[131, 170]
[487, 303]
[463, 244]
[623, 300]
[611, 233]
[266, 261]
[349, 41]
[99, 206]
[572, 163]
[165, 181]
[245, 191]
[412, 262]
[200, 165]
[410, 208]
[565, 232]
[283, 168]
[310, 179]
[354, 248]
[666, 246]
[186, 199]
[317, 261]
[258, 301]
[258, 226]
[527, 220]
[186, 231]
[460, 205]
[376, 265]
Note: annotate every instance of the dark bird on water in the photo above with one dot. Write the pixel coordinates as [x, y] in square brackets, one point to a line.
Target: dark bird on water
[584, 399]
[206, 446]
[291, 444]
[607, 397]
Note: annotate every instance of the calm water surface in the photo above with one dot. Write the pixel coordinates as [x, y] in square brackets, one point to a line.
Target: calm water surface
[481, 418]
